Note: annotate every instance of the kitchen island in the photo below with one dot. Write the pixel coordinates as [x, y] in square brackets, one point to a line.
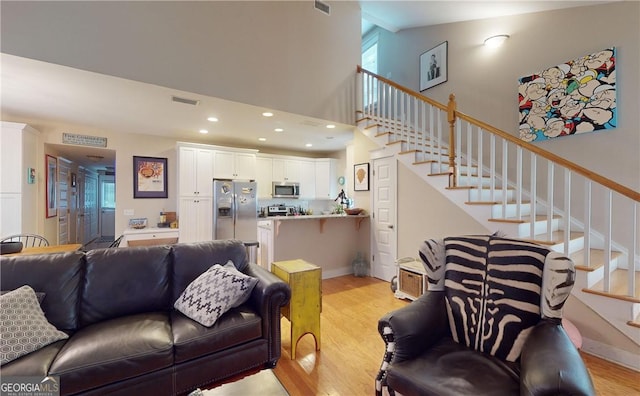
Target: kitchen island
[329, 241]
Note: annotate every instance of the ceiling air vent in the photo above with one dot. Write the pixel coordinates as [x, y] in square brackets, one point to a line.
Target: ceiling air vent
[191, 102]
[324, 7]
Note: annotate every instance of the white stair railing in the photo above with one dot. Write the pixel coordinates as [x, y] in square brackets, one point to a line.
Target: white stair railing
[494, 165]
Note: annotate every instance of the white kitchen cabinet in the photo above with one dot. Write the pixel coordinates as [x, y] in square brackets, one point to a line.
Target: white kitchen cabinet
[286, 170]
[326, 182]
[19, 198]
[195, 171]
[307, 179]
[196, 219]
[265, 241]
[149, 237]
[264, 177]
[234, 165]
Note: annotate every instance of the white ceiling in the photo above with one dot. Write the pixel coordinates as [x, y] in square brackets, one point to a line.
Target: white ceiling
[396, 15]
[34, 90]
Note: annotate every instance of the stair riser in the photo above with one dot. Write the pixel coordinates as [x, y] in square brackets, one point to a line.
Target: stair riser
[485, 195]
[496, 210]
[539, 227]
[575, 245]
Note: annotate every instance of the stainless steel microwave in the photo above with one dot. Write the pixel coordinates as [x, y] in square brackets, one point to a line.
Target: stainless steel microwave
[285, 190]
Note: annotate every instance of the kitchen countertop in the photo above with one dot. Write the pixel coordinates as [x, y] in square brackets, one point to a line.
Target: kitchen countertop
[311, 217]
[279, 220]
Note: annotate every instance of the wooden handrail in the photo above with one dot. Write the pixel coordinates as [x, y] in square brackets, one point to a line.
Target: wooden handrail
[619, 188]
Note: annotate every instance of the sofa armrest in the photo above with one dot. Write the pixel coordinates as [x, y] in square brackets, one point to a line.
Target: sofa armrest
[407, 332]
[551, 365]
[269, 295]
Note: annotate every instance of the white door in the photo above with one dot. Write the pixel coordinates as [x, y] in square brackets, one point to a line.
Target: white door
[384, 246]
[64, 173]
[107, 205]
[90, 207]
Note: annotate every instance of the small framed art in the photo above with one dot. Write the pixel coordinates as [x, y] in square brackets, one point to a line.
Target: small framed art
[433, 66]
[361, 177]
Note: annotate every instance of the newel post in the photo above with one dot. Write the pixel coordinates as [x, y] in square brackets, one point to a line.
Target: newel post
[451, 117]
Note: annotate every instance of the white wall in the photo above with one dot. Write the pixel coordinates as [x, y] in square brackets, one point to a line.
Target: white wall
[485, 80]
[283, 55]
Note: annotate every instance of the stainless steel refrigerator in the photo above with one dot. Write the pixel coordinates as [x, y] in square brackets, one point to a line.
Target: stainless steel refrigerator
[235, 209]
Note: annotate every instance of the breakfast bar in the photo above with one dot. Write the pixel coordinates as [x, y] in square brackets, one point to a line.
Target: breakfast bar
[329, 241]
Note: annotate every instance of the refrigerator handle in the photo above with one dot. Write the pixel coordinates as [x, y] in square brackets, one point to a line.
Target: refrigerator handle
[234, 208]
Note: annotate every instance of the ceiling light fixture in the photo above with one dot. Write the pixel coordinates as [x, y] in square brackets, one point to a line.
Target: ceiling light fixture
[331, 126]
[212, 119]
[204, 131]
[267, 114]
[279, 130]
[308, 145]
[496, 41]
[262, 139]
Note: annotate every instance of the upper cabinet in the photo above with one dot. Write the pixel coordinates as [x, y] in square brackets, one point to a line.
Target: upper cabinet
[234, 165]
[195, 171]
[286, 170]
[326, 182]
[264, 172]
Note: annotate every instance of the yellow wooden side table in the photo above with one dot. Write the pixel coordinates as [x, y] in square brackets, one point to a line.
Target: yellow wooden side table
[303, 311]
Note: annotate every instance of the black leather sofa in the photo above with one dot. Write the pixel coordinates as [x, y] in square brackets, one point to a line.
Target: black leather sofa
[125, 336]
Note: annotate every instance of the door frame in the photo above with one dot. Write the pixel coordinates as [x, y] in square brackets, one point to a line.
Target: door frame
[376, 155]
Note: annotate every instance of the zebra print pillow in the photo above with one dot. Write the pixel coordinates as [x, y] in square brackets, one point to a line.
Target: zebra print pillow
[493, 292]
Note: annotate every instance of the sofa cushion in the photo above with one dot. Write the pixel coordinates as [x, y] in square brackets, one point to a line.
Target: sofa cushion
[190, 260]
[56, 275]
[480, 272]
[121, 282]
[114, 350]
[450, 369]
[213, 293]
[23, 326]
[192, 340]
[36, 363]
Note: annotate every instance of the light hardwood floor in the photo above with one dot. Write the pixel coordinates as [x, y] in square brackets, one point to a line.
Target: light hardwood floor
[351, 349]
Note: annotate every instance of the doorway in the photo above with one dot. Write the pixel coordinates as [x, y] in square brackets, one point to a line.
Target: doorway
[384, 244]
[107, 207]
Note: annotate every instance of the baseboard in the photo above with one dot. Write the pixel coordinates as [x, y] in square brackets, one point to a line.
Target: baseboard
[611, 354]
[337, 272]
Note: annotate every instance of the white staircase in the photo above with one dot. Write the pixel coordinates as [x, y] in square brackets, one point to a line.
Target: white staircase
[494, 177]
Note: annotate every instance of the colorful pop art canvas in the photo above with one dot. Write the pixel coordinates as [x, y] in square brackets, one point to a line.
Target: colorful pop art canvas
[574, 97]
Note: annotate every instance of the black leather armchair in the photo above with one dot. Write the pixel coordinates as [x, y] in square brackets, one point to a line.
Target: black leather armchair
[445, 344]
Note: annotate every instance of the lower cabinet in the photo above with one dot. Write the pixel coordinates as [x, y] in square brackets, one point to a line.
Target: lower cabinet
[265, 240]
[196, 219]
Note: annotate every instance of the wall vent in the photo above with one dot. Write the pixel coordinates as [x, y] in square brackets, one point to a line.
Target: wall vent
[191, 102]
[324, 7]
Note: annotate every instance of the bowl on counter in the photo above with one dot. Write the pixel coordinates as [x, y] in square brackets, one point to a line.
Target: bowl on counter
[354, 211]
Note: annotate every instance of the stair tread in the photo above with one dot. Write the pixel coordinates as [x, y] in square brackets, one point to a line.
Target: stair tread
[557, 237]
[491, 203]
[596, 259]
[618, 286]
[522, 220]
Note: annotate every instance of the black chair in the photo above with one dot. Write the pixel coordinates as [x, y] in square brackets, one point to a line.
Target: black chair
[489, 324]
[116, 243]
[28, 240]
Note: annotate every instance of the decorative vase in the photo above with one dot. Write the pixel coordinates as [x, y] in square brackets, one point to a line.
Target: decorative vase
[360, 266]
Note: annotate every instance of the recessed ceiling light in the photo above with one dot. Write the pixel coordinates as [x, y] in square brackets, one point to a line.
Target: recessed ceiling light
[204, 131]
[212, 119]
[308, 145]
[279, 130]
[262, 139]
[267, 114]
[331, 126]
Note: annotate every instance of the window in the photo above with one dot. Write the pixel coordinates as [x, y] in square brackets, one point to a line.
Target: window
[370, 63]
[108, 194]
